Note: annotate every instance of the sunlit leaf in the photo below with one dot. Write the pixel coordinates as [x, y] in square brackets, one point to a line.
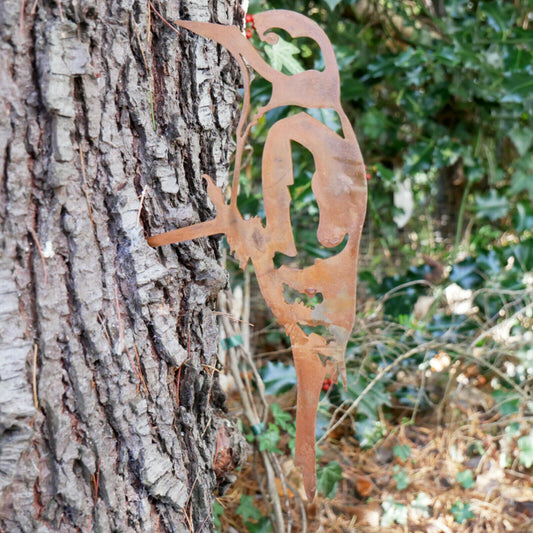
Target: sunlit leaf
[525, 445]
[394, 512]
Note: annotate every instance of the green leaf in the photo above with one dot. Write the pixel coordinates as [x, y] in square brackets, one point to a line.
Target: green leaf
[523, 217]
[422, 503]
[508, 402]
[247, 509]
[466, 479]
[394, 512]
[525, 445]
[269, 439]
[332, 4]
[281, 418]
[328, 478]
[522, 178]
[402, 452]
[368, 432]
[231, 342]
[492, 206]
[262, 526]
[277, 377]
[218, 511]
[401, 477]
[522, 139]
[461, 512]
[518, 86]
[281, 56]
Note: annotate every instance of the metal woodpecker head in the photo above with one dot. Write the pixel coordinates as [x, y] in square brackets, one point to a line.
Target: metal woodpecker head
[339, 185]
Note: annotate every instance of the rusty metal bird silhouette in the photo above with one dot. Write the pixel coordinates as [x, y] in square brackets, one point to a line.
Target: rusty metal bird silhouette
[339, 185]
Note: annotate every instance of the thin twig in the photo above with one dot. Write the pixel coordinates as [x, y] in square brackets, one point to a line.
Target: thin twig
[40, 250]
[34, 376]
[370, 385]
[140, 370]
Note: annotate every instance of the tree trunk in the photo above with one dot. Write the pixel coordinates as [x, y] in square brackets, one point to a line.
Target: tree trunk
[110, 411]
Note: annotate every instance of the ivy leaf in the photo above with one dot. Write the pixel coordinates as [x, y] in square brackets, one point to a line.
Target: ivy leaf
[402, 452]
[262, 526]
[281, 56]
[269, 439]
[492, 206]
[461, 512]
[394, 512]
[525, 445]
[328, 478]
[247, 509]
[422, 503]
[400, 477]
[466, 479]
[281, 418]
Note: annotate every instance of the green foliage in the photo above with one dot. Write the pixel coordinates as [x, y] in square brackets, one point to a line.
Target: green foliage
[401, 477]
[445, 104]
[394, 512]
[461, 512]
[466, 479]
[422, 503]
[328, 478]
[281, 418]
[277, 377]
[231, 342]
[525, 445]
[402, 452]
[269, 439]
[254, 521]
[218, 511]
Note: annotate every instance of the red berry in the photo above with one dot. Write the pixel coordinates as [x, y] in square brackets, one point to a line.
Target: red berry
[249, 19]
[248, 33]
[368, 176]
[327, 384]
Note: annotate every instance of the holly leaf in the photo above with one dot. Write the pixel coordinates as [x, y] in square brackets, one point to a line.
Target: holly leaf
[277, 377]
[522, 139]
[521, 180]
[328, 479]
[332, 4]
[492, 206]
[523, 217]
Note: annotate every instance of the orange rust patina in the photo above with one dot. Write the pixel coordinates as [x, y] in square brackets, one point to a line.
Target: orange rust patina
[339, 185]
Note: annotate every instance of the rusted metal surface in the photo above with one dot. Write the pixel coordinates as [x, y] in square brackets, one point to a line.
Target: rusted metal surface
[339, 185]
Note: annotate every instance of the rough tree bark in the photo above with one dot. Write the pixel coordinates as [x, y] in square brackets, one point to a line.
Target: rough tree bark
[109, 406]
